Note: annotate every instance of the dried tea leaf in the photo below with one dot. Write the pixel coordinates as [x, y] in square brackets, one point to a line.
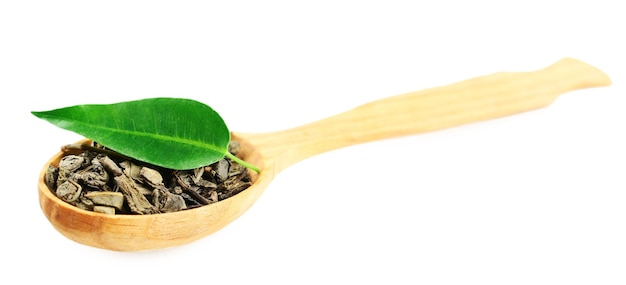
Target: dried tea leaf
[221, 168]
[68, 191]
[104, 210]
[111, 199]
[167, 202]
[70, 163]
[131, 170]
[151, 176]
[52, 174]
[67, 166]
[136, 201]
[84, 203]
[94, 176]
[111, 166]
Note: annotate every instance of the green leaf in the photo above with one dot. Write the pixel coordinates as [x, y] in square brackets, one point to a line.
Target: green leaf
[169, 132]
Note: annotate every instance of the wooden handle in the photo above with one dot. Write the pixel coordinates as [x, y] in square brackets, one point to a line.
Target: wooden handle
[473, 100]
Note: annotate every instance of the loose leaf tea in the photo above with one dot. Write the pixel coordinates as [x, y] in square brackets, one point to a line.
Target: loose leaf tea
[173, 133]
[102, 181]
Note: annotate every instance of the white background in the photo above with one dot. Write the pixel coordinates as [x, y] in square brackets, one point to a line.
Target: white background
[536, 198]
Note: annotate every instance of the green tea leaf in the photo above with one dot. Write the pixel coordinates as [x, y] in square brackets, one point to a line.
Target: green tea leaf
[169, 132]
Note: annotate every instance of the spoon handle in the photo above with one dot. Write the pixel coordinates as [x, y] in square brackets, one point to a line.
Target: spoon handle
[482, 98]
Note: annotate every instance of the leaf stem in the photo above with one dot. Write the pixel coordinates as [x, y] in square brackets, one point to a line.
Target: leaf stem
[242, 162]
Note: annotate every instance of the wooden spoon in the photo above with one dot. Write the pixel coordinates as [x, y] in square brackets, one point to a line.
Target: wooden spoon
[473, 100]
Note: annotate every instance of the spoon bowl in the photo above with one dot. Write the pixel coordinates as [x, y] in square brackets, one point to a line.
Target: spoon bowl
[145, 232]
[482, 98]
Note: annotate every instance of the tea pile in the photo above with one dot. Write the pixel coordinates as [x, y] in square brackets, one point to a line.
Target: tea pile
[103, 181]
